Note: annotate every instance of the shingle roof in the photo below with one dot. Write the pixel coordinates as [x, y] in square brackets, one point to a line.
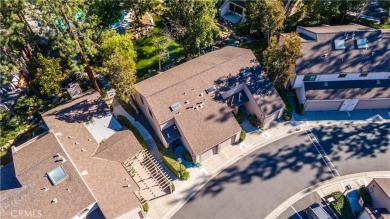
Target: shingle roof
[319, 56]
[189, 82]
[357, 89]
[32, 162]
[107, 180]
[384, 183]
[119, 147]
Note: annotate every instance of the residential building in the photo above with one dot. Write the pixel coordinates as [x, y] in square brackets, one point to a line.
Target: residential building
[192, 103]
[379, 189]
[75, 170]
[343, 68]
[233, 11]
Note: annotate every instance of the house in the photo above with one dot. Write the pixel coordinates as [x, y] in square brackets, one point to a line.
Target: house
[233, 11]
[75, 170]
[192, 103]
[379, 189]
[343, 68]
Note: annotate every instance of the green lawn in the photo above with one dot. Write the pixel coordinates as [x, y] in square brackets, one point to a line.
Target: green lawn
[146, 56]
[341, 206]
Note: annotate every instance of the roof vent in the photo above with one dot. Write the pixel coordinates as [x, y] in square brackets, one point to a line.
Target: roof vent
[84, 173]
[83, 150]
[362, 43]
[339, 44]
[45, 189]
[68, 190]
[70, 137]
[187, 102]
[127, 186]
[56, 155]
[326, 84]
[54, 200]
[175, 106]
[201, 94]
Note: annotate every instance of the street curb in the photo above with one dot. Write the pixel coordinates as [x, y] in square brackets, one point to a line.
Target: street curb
[314, 188]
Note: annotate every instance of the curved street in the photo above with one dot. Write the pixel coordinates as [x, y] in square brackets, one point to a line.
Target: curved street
[257, 184]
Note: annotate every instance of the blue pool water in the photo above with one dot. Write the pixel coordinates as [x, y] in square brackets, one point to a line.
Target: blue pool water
[179, 151]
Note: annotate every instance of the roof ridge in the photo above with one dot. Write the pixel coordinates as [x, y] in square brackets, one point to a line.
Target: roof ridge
[96, 153]
[36, 164]
[199, 73]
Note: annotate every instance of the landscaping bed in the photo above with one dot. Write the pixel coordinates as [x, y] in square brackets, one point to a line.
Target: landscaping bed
[341, 206]
[170, 160]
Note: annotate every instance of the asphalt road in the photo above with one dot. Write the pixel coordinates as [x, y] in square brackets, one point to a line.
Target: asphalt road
[254, 186]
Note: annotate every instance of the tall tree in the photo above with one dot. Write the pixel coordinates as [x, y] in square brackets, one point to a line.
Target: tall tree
[279, 57]
[119, 61]
[193, 23]
[161, 43]
[266, 16]
[48, 76]
[139, 7]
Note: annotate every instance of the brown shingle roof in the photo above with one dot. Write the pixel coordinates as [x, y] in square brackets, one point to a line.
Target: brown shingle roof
[188, 82]
[384, 183]
[320, 57]
[32, 162]
[119, 147]
[107, 180]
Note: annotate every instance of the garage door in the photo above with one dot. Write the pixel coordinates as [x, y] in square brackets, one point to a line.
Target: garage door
[323, 105]
[208, 153]
[226, 143]
[373, 104]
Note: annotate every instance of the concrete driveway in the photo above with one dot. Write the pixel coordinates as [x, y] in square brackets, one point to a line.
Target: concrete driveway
[254, 186]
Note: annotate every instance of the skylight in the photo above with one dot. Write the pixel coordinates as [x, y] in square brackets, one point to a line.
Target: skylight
[175, 106]
[339, 44]
[57, 175]
[362, 43]
[211, 89]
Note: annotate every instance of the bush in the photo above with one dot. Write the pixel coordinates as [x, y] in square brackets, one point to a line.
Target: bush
[239, 117]
[172, 187]
[341, 206]
[126, 123]
[186, 175]
[243, 29]
[365, 195]
[286, 116]
[242, 136]
[254, 120]
[145, 206]
[187, 156]
[170, 160]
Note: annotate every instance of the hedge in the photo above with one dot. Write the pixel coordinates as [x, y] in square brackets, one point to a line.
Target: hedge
[126, 123]
[341, 206]
[170, 160]
[186, 175]
[242, 136]
[365, 195]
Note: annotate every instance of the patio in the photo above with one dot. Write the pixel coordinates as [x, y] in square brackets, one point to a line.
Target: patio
[232, 18]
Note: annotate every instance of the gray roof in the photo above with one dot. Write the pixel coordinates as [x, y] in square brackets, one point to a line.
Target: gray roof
[32, 162]
[320, 57]
[357, 89]
[189, 82]
[107, 180]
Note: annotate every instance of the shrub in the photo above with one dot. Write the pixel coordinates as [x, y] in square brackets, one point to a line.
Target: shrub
[286, 116]
[341, 206]
[187, 156]
[242, 136]
[170, 160]
[254, 120]
[145, 206]
[239, 117]
[186, 175]
[126, 123]
[172, 187]
[365, 195]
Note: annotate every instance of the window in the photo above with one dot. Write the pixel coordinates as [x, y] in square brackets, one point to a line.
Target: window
[342, 75]
[150, 112]
[363, 74]
[309, 78]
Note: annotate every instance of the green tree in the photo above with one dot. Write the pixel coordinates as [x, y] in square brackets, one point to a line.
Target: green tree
[279, 57]
[162, 43]
[139, 7]
[193, 23]
[119, 61]
[266, 16]
[49, 75]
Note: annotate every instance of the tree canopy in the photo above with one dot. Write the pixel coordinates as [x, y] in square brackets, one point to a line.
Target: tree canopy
[49, 75]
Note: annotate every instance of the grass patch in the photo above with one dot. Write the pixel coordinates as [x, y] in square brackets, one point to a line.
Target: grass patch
[146, 51]
[170, 160]
[126, 123]
[341, 206]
